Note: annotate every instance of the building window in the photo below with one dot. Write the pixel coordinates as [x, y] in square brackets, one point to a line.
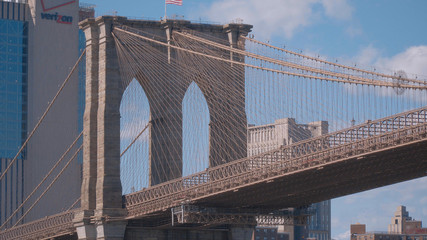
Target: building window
[13, 85]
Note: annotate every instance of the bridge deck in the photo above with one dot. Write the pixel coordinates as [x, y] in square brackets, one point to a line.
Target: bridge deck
[374, 154]
[325, 181]
[379, 153]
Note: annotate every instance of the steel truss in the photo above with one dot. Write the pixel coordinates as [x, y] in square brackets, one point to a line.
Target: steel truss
[190, 214]
[356, 141]
[49, 227]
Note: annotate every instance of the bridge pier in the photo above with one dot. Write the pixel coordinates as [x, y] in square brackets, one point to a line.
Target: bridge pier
[101, 216]
[109, 228]
[101, 225]
[84, 228]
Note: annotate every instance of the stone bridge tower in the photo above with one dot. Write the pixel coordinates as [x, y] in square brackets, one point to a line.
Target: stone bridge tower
[101, 196]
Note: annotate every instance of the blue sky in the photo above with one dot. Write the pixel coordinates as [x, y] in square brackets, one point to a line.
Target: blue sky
[390, 34]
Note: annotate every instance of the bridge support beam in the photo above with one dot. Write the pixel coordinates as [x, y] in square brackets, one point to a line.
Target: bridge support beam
[165, 162]
[228, 122]
[101, 189]
[85, 229]
[109, 228]
[90, 127]
[82, 220]
[102, 215]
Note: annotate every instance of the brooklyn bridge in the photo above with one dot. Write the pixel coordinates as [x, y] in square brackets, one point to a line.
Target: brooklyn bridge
[191, 166]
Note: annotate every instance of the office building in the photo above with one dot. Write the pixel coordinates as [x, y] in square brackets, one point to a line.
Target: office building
[402, 223]
[39, 45]
[402, 227]
[13, 101]
[282, 132]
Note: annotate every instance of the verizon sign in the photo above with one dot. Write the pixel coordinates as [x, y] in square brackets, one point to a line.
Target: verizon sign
[50, 5]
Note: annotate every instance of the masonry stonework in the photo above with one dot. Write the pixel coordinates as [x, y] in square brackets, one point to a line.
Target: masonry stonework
[101, 188]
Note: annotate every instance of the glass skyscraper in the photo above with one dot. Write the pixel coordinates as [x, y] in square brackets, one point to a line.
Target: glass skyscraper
[36, 55]
[13, 102]
[13, 85]
[319, 225]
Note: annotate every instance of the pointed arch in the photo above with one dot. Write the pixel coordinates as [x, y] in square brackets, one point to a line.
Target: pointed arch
[195, 133]
[134, 145]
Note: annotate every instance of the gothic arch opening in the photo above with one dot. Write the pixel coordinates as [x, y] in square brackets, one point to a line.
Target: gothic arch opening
[134, 138]
[195, 131]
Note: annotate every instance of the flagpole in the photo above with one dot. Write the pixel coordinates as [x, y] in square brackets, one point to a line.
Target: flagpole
[165, 11]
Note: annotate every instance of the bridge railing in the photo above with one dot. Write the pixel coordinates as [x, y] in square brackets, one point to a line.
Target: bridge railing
[287, 156]
[56, 225]
[358, 132]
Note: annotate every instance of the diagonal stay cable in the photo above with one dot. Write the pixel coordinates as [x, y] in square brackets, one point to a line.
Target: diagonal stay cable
[293, 65]
[269, 69]
[50, 185]
[134, 140]
[43, 116]
[43, 180]
[183, 69]
[74, 204]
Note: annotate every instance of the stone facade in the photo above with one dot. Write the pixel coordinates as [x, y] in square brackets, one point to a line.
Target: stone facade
[263, 138]
[101, 188]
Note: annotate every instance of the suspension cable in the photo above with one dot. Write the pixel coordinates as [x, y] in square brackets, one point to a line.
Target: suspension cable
[335, 64]
[50, 185]
[134, 140]
[43, 116]
[74, 204]
[384, 84]
[43, 180]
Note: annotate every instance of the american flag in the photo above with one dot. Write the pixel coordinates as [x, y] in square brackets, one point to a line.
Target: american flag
[176, 2]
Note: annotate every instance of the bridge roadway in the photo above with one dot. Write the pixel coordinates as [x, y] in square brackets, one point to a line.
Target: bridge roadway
[352, 160]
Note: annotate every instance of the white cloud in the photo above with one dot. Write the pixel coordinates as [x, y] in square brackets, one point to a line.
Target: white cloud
[368, 55]
[278, 17]
[339, 9]
[413, 60]
[353, 31]
[343, 236]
